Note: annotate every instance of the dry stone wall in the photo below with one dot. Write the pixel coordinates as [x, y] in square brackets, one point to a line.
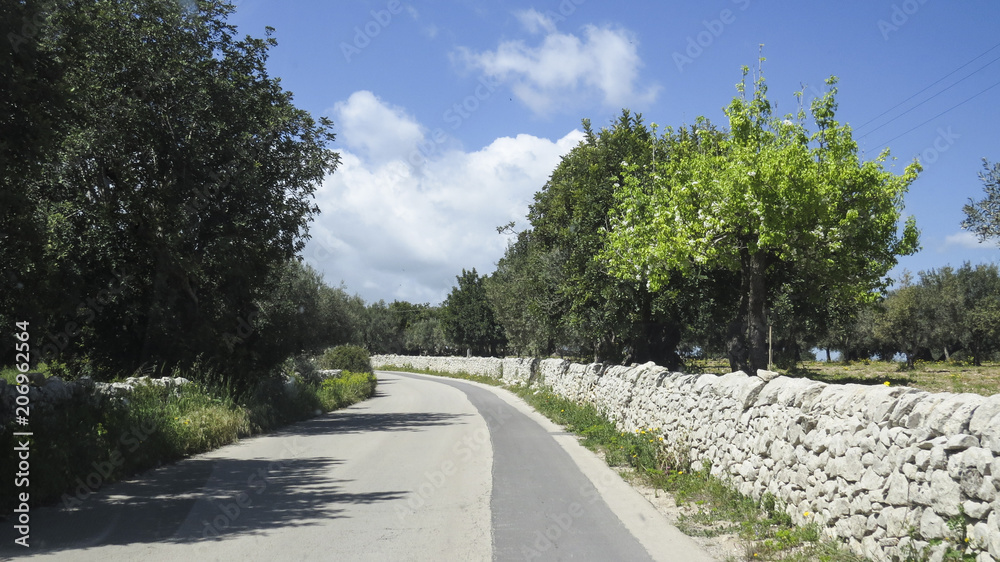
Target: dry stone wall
[882, 468]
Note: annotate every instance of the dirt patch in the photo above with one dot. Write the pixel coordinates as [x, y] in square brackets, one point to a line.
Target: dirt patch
[722, 547]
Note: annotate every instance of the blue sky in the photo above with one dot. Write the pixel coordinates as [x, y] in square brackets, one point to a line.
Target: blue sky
[450, 115]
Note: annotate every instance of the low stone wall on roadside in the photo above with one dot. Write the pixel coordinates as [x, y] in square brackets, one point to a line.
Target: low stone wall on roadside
[46, 395]
[511, 370]
[882, 468]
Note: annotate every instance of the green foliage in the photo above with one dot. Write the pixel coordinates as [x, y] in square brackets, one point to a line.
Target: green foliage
[162, 182]
[349, 388]
[767, 195]
[467, 318]
[983, 217]
[553, 291]
[152, 426]
[425, 336]
[524, 293]
[946, 311]
[904, 321]
[346, 357]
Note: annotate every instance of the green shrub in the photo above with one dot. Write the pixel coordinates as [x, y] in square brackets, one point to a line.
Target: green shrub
[347, 389]
[346, 357]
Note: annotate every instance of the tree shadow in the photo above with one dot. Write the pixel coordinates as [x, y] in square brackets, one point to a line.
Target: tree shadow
[356, 421]
[209, 496]
[895, 379]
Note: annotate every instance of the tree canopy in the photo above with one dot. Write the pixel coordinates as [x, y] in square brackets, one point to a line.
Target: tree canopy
[983, 217]
[467, 318]
[765, 194]
[156, 181]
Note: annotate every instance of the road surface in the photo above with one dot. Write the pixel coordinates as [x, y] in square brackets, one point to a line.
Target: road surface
[428, 469]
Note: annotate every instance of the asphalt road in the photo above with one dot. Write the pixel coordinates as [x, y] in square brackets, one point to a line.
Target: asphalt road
[428, 469]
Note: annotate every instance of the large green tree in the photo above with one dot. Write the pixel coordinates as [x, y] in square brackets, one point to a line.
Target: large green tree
[980, 297]
[163, 183]
[467, 317]
[553, 290]
[766, 194]
[524, 294]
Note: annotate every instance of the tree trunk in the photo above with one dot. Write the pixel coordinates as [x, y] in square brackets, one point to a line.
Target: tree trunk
[754, 270]
[736, 332]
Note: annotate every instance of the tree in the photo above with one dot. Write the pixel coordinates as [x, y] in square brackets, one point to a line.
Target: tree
[764, 195]
[426, 337]
[980, 287]
[524, 294]
[906, 319]
[467, 318]
[983, 217]
[170, 171]
[378, 329]
[555, 279]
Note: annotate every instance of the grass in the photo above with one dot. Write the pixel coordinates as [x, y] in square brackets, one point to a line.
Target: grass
[349, 388]
[79, 447]
[932, 376]
[765, 530]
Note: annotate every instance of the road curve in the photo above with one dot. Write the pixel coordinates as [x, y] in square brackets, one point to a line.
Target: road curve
[428, 469]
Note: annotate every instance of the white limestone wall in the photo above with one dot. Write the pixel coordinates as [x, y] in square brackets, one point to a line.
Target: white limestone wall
[870, 464]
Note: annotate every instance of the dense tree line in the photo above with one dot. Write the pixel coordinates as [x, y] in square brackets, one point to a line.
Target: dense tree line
[939, 314]
[156, 187]
[701, 241]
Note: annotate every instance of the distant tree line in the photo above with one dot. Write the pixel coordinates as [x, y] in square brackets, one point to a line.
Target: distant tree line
[705, 242]
[156, 187]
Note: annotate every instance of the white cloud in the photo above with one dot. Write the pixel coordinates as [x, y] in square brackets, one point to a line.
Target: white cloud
[535, 21]
[389, 230]
[965, 239]
[604, 62]
[374, 129]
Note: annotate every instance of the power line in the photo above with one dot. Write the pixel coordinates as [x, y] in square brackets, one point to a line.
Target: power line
[939, 114]
[981, 55]
[930, 98]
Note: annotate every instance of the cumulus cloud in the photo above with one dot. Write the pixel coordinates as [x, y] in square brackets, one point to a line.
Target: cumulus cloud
[390, 230]
[965, 239]
[378, 131]
[602, 62]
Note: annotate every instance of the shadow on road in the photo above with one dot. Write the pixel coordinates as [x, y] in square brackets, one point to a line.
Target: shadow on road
[202, 498]
[199, 499]
[359, 422]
